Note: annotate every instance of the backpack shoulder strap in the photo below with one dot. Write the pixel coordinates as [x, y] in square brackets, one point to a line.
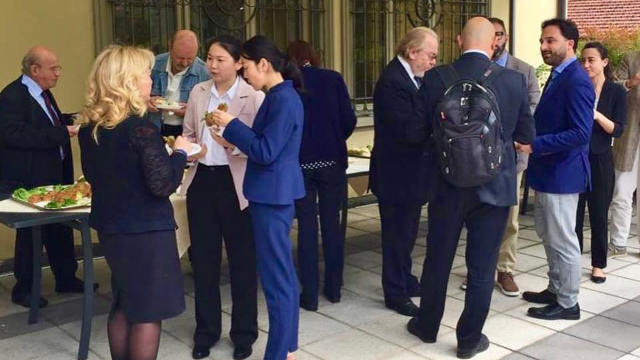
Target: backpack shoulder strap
[490, 74]
[448, 75]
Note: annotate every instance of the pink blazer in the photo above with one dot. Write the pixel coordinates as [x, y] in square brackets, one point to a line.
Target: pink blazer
[244, 106]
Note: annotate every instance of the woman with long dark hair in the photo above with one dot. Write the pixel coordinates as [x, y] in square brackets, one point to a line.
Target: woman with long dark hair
[273, 181]
[328, 121]
[216, 207]
[610, 117]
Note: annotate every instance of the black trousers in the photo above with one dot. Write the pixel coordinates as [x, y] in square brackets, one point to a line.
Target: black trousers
[58, 240]
[214, 215]
[325, 189]
[171, 130]
[448, 212]
[598, 201]
[399, 224]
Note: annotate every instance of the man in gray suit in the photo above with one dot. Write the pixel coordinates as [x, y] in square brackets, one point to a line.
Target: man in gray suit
[626, 152]
[507, 256]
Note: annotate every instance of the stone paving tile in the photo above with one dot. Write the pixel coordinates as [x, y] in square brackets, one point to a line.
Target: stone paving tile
[516, 356]
[556, 325]
[596, 302]
[371, 225]
[353, 344]
[617, 286]
[562, 346]
[16, 324]
[364, 260]
[513, 333]
[355, 309]
[628, 312]
[608, 332]
[445, 348]
[393, 328]
[42, 344]
[69, 311]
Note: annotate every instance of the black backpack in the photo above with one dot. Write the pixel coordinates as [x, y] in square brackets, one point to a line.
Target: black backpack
[467, 128]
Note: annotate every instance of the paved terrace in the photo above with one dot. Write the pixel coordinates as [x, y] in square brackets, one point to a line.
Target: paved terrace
[360, 327]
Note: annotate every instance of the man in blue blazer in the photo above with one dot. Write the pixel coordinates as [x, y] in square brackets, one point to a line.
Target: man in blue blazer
[483, 209]
[398, 174]
[559, 168]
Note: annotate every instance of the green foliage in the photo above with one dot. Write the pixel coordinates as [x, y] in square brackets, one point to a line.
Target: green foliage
[542, 74]
[617, 41]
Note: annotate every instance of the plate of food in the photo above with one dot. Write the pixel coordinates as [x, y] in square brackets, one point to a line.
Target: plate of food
[164, 104]
[363, 152]
[170, 141]
[55, 197]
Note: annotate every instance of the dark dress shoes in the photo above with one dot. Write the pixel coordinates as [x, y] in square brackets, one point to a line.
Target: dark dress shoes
[468, 353]
[403, 307]
[73, 286]
[25, 300]
[200, 351]
[414, 328]
[332, 296]
[242, 352]
[598, 279]
[542, 297]
[555, 312]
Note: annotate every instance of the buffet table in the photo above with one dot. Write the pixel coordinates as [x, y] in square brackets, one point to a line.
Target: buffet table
[358, 166]
[18, 216]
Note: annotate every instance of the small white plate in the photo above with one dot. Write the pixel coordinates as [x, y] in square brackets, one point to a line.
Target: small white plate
[195, 148]
[169, 107]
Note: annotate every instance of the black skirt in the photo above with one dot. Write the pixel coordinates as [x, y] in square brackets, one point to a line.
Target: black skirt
[146, 279]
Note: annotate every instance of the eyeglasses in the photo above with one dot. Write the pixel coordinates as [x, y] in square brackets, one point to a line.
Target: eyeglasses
[500, 34]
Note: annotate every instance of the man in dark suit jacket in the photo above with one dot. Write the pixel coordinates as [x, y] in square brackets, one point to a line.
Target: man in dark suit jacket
[483, 209]
[559, 168]
[35, 151]
[398, 173]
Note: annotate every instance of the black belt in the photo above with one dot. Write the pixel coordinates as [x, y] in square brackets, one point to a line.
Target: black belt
[212, 167]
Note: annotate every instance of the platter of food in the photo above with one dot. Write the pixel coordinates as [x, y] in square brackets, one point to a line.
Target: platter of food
[362, 152]
[164, 104]
[55, 197]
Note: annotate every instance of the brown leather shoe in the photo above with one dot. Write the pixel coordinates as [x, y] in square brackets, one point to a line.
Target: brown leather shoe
[507, 285]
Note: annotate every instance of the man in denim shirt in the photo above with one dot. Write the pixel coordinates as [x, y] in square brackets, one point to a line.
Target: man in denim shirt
[174, 75]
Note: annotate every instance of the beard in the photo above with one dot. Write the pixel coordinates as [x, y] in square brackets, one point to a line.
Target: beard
[553, 58]
[498, 51]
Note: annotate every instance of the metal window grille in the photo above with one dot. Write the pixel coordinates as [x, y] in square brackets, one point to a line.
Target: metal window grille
[377, 25]
[151, 22]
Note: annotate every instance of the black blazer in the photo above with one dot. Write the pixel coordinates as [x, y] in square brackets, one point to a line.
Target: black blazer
[30, 143]
[613, 105]
[328, 117]
[399, 162]
[510, 89]
[131, 177]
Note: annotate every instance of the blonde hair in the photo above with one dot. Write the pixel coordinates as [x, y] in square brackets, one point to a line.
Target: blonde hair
[414, 39]
[112, 91]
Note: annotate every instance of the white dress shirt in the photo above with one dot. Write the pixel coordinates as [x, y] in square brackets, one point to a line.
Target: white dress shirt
[407, 67]
[216, 153]
[173, 93]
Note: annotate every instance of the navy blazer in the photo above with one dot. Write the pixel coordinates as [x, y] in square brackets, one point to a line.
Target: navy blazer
[510, 89]
[272, 146]
[399, 162]
[30, 143]
[131, 176]
[328, 117]
[564, 121]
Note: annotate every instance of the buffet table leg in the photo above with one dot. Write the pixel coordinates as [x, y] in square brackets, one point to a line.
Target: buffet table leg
[36, 232]
[87, 307]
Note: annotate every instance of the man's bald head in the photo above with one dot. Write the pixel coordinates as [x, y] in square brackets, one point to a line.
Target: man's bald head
[41, 64]
[478, 34]
[183, 48]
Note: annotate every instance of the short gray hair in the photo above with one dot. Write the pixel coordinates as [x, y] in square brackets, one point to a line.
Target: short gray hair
[30, 59]
[414, 39]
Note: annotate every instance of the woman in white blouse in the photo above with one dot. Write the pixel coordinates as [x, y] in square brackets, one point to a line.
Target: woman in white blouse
[216, 207]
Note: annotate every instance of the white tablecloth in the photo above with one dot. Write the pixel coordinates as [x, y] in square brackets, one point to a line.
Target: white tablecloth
[12, 206]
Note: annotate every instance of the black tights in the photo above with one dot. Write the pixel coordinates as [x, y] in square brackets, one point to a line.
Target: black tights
[132, 341]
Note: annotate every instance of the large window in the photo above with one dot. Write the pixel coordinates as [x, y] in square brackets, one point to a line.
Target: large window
[377, 25]
[151, 22]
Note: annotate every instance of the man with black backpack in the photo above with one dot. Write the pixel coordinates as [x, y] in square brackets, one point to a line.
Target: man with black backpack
[476, 110]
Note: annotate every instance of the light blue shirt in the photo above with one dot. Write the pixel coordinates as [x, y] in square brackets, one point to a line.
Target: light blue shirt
[407, 67]
[36, 93]
[559, 69]
[502, 60]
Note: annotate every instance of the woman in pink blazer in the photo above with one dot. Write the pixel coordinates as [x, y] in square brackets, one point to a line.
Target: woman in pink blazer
[216, 206]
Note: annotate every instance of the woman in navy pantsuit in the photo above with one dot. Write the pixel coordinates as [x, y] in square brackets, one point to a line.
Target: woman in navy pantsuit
[273, 181]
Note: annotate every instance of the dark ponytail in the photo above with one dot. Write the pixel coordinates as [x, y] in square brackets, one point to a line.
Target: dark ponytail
[604, 54]
[260, 47]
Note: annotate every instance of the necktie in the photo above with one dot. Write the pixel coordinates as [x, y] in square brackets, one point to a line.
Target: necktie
[549, 81]
[50, 109]
[54, 117]
[419, 80]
